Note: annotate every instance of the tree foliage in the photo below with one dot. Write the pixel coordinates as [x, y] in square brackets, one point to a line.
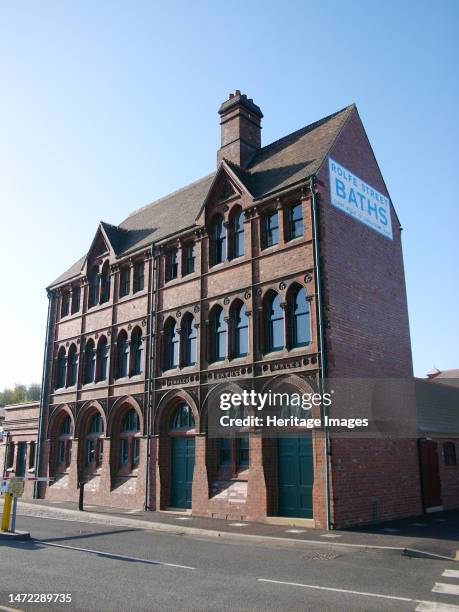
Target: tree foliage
[20, 394]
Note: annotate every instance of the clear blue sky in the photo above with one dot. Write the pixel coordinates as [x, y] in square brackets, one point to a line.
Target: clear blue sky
[108, 105]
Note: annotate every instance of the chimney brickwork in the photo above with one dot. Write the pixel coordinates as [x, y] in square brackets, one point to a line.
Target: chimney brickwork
[240, 129]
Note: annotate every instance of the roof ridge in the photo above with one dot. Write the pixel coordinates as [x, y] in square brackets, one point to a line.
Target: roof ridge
[172, 193]
[117, 227]
[305, 127]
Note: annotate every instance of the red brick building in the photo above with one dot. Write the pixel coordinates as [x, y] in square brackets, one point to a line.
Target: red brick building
[251, 277]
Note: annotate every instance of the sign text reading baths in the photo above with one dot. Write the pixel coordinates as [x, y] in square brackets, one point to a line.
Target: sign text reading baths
[358, 199]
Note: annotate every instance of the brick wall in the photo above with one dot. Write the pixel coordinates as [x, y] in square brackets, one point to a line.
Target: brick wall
[367, 336]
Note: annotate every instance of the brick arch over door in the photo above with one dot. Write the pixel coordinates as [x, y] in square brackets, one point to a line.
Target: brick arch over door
[213, 399]
[166, 406]
[306, 451]
[167, 443]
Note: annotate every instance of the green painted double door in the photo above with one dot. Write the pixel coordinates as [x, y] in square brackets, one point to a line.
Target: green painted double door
[182, 467]
[295, 476]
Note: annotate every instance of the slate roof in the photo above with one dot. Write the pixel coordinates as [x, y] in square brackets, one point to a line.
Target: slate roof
[437, 407]
[281, 164]
[447, 377]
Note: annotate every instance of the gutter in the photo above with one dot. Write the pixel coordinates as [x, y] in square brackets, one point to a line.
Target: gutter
[323, 363]
[43, 397]
[153, 298]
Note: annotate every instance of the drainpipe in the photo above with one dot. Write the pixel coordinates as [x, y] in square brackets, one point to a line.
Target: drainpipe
[153, 296]
[5, 458]
[43, 398]
[323, 372]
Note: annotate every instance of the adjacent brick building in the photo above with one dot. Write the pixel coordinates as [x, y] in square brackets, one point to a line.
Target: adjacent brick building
[248, 278]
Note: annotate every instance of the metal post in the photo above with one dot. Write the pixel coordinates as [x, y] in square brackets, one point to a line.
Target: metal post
[13, 516]
[81, 496]
[6, 511]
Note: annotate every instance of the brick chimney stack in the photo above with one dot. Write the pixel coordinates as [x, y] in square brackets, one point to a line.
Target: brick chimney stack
[240, 121]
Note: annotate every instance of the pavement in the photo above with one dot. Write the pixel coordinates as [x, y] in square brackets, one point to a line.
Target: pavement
[434, 535]
[101, 567]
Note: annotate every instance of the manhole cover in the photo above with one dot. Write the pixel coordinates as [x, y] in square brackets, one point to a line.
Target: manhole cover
[320, 556]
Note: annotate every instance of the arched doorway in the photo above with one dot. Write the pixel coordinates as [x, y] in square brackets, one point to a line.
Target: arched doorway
[182, 444]
[292, 451]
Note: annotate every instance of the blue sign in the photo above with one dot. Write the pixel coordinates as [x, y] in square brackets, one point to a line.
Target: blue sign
[358, 199]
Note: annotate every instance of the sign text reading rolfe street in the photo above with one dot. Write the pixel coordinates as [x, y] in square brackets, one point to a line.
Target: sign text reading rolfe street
[355, 197]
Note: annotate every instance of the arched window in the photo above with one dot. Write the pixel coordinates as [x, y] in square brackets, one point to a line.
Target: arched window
[66, 426]
[240, 329]
[274, 323]
[105, 283]
[189, 340]
[102, 358]
[299, 318]
[217, 241]
[123, 355]
[129, 447]
[93, 287]
[218, 335]
[60, 368]
[94, 445]
[449, 453]
[130, 421]
[90, 362]
[172, 345]
[182, 418]
[64, 444]
[96, 424]
[72, 366]
[237, 234]
[136, 351]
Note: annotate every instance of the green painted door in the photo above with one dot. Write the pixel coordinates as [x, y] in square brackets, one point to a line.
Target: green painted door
[182, 466]
[295, 476]
[21, 459]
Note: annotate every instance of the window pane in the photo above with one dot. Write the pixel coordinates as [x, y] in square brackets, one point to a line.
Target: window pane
[295, 221]
[278, 334]
[243, 448]
[124, 455]
[135, 451]
[225, 451]
[301, 323]
[272, 229]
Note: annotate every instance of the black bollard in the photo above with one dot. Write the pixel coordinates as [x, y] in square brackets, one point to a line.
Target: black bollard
[80, 499]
